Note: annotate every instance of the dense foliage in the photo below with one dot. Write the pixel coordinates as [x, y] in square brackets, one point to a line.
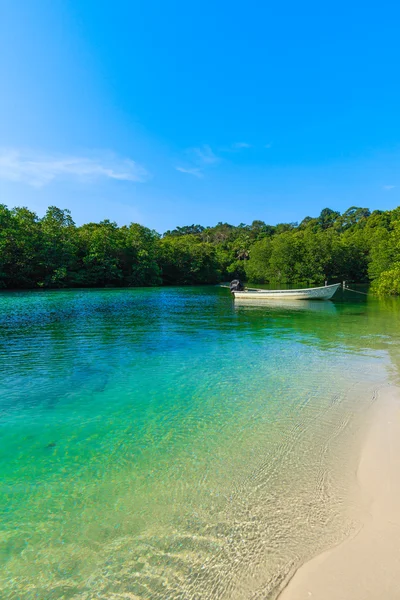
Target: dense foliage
[53, 252]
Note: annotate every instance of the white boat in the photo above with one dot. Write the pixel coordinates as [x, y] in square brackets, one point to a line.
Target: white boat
[319, 293]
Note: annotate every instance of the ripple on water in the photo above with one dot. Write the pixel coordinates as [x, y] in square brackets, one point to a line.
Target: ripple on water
[166, 444]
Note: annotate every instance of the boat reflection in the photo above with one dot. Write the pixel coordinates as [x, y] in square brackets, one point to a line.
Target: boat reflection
[325, 306]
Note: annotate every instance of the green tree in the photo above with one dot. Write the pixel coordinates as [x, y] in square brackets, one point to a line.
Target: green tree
[185, 230]
[187, 260]
[285, 257]
[388, 282]
[100, 251]
[58, 248]
[19, 247]
[139, 256]
[257, 268]
[328, 218]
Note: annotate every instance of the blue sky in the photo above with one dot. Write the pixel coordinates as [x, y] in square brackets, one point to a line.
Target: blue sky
[172, 113]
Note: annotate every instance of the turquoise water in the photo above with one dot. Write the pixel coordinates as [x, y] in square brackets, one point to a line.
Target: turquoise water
[167, 443]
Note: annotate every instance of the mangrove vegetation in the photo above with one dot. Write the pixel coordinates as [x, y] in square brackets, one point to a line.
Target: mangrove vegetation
[53, 252]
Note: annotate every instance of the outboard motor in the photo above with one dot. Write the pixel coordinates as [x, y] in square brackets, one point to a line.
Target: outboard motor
[236, 286]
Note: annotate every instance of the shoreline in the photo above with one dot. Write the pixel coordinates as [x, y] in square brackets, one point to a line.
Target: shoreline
[367, 565]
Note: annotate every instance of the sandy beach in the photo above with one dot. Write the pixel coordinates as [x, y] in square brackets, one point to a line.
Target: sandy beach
[367, 566]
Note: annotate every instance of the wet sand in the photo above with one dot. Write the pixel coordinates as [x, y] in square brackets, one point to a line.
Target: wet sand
[367, 566]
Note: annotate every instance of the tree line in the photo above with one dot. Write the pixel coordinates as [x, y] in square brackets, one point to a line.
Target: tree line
[52, 252]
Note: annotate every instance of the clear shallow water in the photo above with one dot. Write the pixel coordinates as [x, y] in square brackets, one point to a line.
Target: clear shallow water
[165, 443]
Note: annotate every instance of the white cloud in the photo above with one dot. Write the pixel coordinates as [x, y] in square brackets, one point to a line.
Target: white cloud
[204, 155]
[235, 147]
[40, 169]
[191, 171]
[388, 187]
[240, 145]
[197, 159]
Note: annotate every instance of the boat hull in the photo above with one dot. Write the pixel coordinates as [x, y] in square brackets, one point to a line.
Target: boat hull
[320, 293]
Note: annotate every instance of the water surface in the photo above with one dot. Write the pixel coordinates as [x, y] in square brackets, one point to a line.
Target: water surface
[167, 443]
